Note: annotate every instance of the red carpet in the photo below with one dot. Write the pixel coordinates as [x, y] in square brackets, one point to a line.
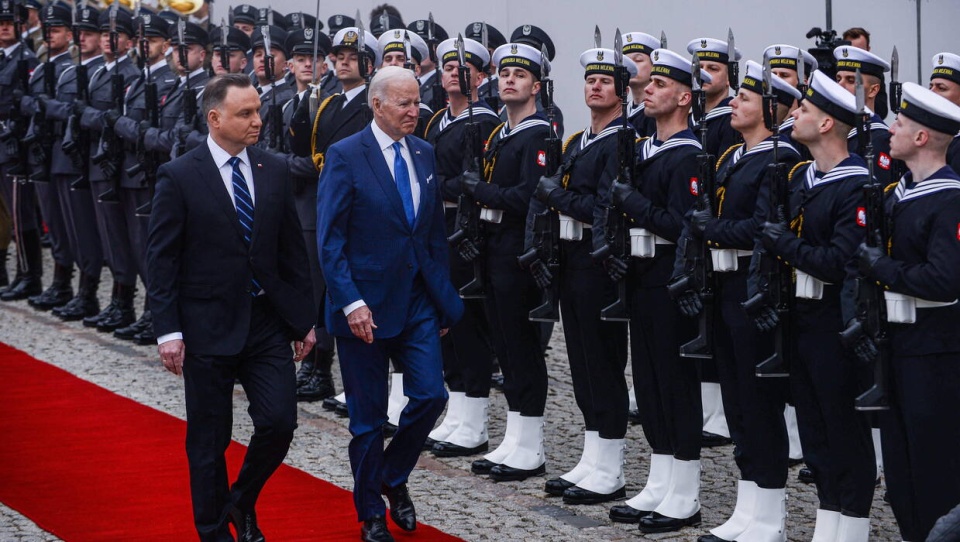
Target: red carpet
[87, 464]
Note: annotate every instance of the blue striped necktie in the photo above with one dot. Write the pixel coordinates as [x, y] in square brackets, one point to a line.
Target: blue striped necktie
[244, 203]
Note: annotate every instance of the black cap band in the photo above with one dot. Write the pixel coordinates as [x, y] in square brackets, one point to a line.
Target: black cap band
[847, 117]
[520, 62]
[673, 73]
[866, 68]
[713, 56]
[636, 48]
[946, 73]
[928, 119]
[471, 58]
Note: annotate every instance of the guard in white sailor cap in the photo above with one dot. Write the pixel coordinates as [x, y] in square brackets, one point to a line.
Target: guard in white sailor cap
[467, 348]
[827, 205]
[754, 406]
[945, 81]
[784, 63]
[597, 349]
[515, 159]
[638, 47]
[917, 270]
[667, 386]
[849, 60]
[393, 47]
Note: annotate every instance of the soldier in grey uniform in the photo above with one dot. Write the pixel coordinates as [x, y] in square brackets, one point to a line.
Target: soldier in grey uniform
[274, 88]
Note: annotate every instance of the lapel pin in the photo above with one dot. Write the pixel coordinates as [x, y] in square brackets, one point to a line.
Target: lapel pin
[259, 165]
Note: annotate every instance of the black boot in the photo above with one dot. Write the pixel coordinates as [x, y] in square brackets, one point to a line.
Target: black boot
[60, 291]
[30, 284]
[124, 314]
[84, 304]
[129, 333]
[146, 335]
[319, 385]
[307, 366]
[92, 321]
[4, 279]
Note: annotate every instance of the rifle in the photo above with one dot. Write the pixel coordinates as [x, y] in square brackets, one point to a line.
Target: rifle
[274, 113]
[147, 161]
[408, 62]
[617, 234]
[697, 251]
[39, 141]
[112, 151]
[546, 224]
[189, 93]
[76, 140]
[437, 84]
[17, 124]
[468, 212]
[733, 67]
[896, 87]
[362, 64]
[313, 99]
[224, 46]
[779, 278]
[492, 100]
[801, 74]
[871, 306]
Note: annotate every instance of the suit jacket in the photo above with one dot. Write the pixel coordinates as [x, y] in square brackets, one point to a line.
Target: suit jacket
[368, 250]
[200, 267]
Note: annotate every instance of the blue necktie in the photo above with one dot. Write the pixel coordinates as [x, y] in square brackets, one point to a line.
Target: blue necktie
[244, 203]
[402, 175]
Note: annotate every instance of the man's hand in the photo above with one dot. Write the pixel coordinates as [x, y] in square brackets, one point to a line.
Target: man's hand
[867, 258]
[171, 354]
[619, 192]
[766, 319]
[699, 221]
[302, 348]
[547, 186]
[361, 324]
[468, 182]
[444, 331]
[110, 117]
[772, 232]
[541, 274]
[616, 268]
[467, 250]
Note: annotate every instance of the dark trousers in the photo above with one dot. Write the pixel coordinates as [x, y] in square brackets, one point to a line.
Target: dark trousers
[596, 350]
[921, 436]
[836, 439]
[49, 199]
[21, 199]
[416, 350]
[754, 406]
[136, 227]
[81, 225]
[511, 295]
[667, 385]
[266, 371]
[112, 225]
[324, 339]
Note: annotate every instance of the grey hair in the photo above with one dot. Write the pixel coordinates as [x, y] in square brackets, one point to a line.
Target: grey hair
[383, 78]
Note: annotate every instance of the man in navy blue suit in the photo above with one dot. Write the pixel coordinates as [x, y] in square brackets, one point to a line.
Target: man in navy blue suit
[383, 250]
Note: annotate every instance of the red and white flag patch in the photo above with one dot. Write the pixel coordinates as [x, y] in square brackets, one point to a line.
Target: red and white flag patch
[884, 160]
[958, 232]
[542, 158]
[861, 217]
[694, 186]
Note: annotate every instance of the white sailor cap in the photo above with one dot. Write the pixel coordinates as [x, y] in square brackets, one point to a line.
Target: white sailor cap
[392, 40]
[638, 42]
[785, 56]
[753, 81]
[473, 51]
[349, 37]
[930, 109]
[670, 64]
[518, 55]
[831, 98]
[850, 58]
[946, 66]
[601, 61]
[710, 49]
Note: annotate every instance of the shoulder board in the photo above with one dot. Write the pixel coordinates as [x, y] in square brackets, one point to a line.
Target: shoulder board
[432, 119]
[570, 140]
[492, 135]
[796, 167]
[726, 153]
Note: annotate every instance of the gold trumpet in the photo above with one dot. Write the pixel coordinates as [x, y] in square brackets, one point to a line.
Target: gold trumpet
[184, 7]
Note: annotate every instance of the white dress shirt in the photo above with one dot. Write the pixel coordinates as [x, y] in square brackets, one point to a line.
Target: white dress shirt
[349, 95]
[386, 147]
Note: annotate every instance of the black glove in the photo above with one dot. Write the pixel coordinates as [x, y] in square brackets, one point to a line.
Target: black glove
[545, 187]
[17, 96]
[699, 221]
[541, 274]
[765, 318]
[142, 128]
[856, 339]
[616, 268]
[469, 181]
[619, 192]
[690, 303]
[772, 232]
[110, 117]
[79, 107]
[109, 168]
[467, 250]
[183, 131]
[867, 257]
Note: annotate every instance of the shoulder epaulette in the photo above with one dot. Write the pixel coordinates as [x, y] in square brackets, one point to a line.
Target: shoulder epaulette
[486, 147]
[726, 153]
[796, 167]
[570, 140]
[433, 118]
[318, 156]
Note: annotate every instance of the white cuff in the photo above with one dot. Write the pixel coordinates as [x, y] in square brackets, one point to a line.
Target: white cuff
[175, 336]
[353, 306]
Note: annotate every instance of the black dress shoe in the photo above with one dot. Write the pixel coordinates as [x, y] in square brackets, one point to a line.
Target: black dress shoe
[92, 321]
[634, 417]
[712, 440]
[482, 466]
[623, 513]
[659, 523]
[330, 403]
[578, 495]
[78, 308]
[129, 333]
[557, 486]
[711, 538]
[57, 295]
[146, 337]
[375, 530]
[793, 462]
[449, 449]
[342, 410]
[388, 430]
[29, 286]
[317, 387]
[246, 526]
[503, 473]
[401, 507]
[806, 476]
[428, 444]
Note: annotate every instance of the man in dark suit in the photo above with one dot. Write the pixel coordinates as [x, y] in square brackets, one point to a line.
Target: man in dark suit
[383, 250]
[229, 278]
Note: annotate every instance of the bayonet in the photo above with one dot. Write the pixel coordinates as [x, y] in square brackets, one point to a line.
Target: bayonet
[544, 62]
[224, 46]
[733, 67]
[384, 20]
[484, 35]
[430, 24]
[360, 30]
[269, 16]
[617, 49]
[896, 88]
[859, 93]
[596, 37]
[801, 73]
[695, 74]
[461, 55]
[663, 39]
[361, 49]
[316, 45]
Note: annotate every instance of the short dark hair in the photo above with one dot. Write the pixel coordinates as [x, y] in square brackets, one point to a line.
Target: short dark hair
[216, 89]
[856, 32]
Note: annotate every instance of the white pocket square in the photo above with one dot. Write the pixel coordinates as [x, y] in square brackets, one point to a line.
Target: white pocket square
[429, 178]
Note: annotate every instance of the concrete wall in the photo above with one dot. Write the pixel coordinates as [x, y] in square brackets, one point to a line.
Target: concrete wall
[755, 23]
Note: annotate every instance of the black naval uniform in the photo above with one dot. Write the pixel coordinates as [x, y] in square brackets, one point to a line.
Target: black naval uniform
[753, 406]
[836, 439]
[667, 386]
[644, 125]
[786, 134]
[431, 91]
[720, 135]
[953, 154]
[596, 349]
[885, 168]
[468, 347]
[515, 160]
[921, 431]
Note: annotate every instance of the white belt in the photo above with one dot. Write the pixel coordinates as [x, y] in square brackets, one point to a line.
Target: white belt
[493, 216]
[726, 260]
[902, 309]
[808, 286]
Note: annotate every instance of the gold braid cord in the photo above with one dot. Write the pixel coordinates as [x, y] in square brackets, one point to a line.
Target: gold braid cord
[488, 165]
[566, 176]
[432, 119]
[727, 153]
[318, 156]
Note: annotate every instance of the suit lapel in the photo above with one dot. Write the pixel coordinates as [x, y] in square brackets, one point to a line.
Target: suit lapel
[423, 172]
[260, 188]
[209, 175]
[381, 172]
